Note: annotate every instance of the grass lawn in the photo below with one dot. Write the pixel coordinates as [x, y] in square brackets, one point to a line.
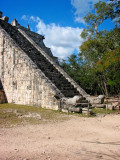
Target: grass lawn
[13, 114]
[103, 111]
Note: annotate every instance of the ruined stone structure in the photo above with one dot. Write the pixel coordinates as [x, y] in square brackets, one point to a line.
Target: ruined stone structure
[29, 73]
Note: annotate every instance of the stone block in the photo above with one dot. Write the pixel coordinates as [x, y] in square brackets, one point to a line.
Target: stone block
[96, 100]
[75, 109]
[98, 105]
[110, 107]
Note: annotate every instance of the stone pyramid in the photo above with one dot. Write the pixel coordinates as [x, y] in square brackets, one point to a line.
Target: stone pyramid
[29, 73]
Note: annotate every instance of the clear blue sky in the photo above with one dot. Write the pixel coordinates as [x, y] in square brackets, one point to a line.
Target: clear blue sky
[51, 11]
[61, 21]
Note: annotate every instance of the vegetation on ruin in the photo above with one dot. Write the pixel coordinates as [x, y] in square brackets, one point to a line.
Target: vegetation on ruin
[97, 67]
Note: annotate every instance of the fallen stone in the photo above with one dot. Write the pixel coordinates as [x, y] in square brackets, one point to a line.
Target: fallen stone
[72, 101]
[86, 109]
[74, 109]
[86, 112]
[96, 100]
[110, 107]
[31, 115]
[98, 105]
[115, 104]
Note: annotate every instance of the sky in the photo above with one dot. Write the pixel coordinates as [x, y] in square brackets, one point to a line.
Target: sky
[60, 21]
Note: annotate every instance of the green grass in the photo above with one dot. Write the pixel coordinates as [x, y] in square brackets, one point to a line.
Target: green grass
[97, 111]
[12, 115]
[103, 111]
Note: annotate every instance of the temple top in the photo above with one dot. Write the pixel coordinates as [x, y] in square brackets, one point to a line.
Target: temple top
[13, 23]
[37, 38]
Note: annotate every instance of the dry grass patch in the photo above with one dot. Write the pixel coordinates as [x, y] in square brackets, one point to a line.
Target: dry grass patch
[12, 115]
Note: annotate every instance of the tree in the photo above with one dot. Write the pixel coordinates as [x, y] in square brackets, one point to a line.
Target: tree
[102, 11]
[102, 48]
[97, 66]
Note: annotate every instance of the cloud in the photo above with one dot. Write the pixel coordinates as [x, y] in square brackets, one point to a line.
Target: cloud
[62, 40]
[24, 17]
[82, 7]
[35, 19]
[30, 18]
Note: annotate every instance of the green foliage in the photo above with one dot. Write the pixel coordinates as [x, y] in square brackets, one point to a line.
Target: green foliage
[102, 11]
[97, 67]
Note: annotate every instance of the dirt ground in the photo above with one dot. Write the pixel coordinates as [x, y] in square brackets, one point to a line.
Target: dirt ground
[78, 138]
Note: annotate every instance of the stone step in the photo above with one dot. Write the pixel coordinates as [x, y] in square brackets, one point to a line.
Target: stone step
[86, 112]
[65, 85]
[70, 91]
[75, 109]
[51, 73]
[84, 101]
[66, 88]
[69, 95]
[84, 105]
[59, 82]
[98, 105]
[57, 77]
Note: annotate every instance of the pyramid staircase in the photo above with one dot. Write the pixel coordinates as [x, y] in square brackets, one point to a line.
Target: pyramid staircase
[50, 71]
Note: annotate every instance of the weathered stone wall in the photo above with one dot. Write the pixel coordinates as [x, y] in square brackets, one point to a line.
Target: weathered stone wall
[23, 82]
